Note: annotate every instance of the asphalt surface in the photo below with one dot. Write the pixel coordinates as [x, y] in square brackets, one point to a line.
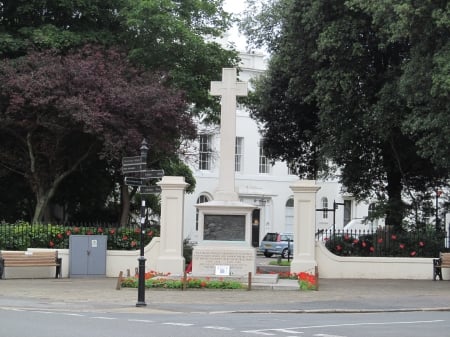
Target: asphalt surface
[334, 295]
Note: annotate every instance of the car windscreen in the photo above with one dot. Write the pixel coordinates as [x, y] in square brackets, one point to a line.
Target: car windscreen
[270, 237]
[286, 237]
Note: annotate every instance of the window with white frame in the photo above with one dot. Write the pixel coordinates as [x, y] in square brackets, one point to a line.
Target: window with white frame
[324, 206]
[239, 154]
[205, 152]
[264, 164]
[201, 199]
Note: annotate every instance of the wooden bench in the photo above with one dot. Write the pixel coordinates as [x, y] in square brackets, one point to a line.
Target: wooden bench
[438, 264]
[30, 259]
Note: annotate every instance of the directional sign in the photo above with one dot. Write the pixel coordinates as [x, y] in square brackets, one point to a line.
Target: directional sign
[132, 181]
[148, 174]
[131, 160]
[149, 189]
[132, 168]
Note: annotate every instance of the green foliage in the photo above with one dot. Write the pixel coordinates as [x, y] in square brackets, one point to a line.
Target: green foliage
[360, 84]
[191, 283]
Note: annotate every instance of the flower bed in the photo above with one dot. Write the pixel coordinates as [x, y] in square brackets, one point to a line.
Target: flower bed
[159, 280]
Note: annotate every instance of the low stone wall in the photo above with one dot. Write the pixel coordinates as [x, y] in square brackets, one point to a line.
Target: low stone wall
[330, 265]
[333, 266]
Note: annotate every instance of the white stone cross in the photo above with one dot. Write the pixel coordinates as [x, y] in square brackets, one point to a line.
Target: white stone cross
[228, 89]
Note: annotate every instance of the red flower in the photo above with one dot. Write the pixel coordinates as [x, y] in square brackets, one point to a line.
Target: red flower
[99, 230]
[402, 245]
[76, 229]
[413, 253]
[421, 243]
[68, 232]
[394, 237]
[364, 244]
[338, 247]
[112, 231]
[346, 237]
[59, 236]
[89, 232]
[51, 244]
[124, 237]
[203, 284]
[133, 243]
[150, 233]
[355, 241]
[372, 249]
[380, 240]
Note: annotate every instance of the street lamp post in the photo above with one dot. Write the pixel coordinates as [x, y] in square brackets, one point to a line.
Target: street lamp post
[141, 281]
[438, 225]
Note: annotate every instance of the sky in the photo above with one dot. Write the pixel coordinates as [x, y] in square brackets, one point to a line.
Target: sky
[236, 7]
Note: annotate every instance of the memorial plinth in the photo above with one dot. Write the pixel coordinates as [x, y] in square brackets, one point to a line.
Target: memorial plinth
[225, 239]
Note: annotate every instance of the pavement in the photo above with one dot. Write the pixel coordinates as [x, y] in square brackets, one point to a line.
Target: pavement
[334, 295]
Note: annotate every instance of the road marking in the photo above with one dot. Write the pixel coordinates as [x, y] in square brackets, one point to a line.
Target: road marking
[217, 327]
[289, 330]
[141, 320]
[178, 324]
[102, 317]
[365, 323]
[69, 314]
[260, 332]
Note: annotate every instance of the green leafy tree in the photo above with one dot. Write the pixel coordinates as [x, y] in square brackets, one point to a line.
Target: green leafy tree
[337, 86]
[171, 37]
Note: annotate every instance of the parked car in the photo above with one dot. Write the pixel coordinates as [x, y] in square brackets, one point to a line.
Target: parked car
[277, 244]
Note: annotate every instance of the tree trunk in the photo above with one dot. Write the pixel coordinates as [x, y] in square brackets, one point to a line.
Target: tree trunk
[395, 206]
[42, 201]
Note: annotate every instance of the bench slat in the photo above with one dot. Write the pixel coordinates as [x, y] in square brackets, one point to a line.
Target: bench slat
[30, 259]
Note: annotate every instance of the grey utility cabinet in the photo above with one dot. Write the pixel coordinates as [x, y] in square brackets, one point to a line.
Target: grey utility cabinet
[87, 255]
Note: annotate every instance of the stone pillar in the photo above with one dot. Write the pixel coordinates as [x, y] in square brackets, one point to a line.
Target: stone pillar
[304, 259]
[171, 259]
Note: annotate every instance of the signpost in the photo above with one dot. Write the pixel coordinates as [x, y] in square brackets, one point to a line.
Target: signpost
[141, 176]
[149, 174]
[133, 181]
[149, 189]
[134, 168]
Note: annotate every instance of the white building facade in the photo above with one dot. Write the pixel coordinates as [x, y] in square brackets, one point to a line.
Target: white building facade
[257, 181]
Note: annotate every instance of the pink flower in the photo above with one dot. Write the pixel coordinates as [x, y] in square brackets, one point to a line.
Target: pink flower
[380, 240]
[402, 245]
[372, 249]
[338, 247]
[364, 244]
[421, 243]
[394, 237]
[413, 253]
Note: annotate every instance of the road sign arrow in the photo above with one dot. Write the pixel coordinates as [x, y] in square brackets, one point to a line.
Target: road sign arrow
[149, 174]
[149, 189]
[131, 160]
[132, 181]
[132, 168]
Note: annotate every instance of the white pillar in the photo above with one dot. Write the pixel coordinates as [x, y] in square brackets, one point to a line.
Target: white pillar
[171, 259]
[304, 259]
